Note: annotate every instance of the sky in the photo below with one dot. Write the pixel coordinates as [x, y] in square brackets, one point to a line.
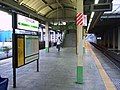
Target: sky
[5, 21]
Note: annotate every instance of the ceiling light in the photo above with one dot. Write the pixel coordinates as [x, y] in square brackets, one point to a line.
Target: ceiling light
[96, 1]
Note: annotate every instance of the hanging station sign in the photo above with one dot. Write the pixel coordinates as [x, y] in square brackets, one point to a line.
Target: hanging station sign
[26, 23]
[101, 7]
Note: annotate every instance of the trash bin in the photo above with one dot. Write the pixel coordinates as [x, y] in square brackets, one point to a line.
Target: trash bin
[3, 83]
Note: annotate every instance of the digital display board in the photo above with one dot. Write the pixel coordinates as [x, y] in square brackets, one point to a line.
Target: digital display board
[26, 23]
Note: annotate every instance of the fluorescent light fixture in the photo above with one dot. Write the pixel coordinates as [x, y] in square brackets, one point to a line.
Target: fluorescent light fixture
[59, 23]
[55, 23]
[92, 15]
[88, 27]
[99, 38]
[90, 20]
[96, 1]
[64, 23]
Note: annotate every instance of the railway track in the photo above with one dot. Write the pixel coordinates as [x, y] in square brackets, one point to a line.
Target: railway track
[113, 57]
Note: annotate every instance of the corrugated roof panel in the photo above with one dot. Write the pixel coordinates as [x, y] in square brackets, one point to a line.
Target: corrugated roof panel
[36, 6]
[48, 7]
[33, 2]
[25, 1]
[40, 3]
[45, 10]
[29, 2]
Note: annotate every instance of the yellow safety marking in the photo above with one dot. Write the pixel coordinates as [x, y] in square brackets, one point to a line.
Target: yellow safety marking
[107, 81]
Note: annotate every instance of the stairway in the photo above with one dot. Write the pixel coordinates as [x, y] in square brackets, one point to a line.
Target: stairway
[70, 39]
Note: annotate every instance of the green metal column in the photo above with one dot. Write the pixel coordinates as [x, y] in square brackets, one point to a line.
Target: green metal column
[46, 37]
[80, 45]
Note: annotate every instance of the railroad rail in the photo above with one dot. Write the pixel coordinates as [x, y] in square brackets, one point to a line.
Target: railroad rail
[114, 57]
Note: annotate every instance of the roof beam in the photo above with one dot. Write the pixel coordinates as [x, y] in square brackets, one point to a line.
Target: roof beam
[50, 12]
[61, 7]
[47, 4]
[21, 8]
[20, 1]
[61, 19]
[59, 4]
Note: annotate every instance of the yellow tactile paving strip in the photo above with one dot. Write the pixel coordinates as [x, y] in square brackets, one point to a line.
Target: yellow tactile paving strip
[107, 81]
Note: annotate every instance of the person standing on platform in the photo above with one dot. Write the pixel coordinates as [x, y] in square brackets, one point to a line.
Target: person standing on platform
[59, 43]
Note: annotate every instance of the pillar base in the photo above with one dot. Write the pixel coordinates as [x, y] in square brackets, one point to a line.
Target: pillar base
[47, 49]
[83, 49]
[79, 75]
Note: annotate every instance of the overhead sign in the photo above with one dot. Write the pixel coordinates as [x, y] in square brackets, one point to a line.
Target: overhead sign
[101, 7]
[27, 23]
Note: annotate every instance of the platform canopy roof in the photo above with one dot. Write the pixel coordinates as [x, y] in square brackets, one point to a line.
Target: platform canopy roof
[54, 10]
[50, 9]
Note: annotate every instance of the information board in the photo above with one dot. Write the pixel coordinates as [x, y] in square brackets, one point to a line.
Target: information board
[27, 49]
[31, 48]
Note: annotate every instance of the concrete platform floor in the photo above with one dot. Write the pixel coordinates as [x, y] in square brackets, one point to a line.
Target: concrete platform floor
[57, 72]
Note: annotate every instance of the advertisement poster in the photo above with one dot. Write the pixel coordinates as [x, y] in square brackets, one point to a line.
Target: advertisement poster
[20, 49]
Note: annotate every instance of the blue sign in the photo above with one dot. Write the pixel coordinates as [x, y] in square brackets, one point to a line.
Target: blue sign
[5, 36]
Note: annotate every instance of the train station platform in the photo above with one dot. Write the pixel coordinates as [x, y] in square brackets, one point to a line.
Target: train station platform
[58, 71]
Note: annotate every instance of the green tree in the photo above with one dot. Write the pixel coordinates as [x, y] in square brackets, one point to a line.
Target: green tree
[6, 50]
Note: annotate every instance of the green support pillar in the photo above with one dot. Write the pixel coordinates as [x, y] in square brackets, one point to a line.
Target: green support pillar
[79, 74]
[47, 49]
[79, 45]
